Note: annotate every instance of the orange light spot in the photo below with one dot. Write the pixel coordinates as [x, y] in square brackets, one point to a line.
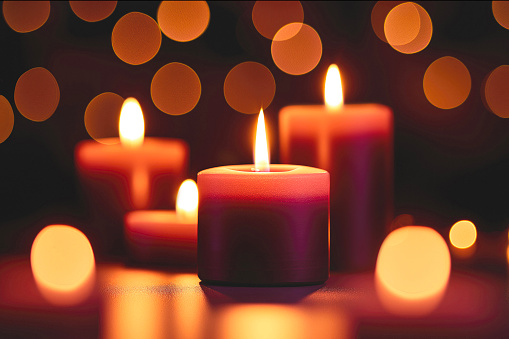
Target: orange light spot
[270, 16]
[6, 119]
[261, 150]
[101, 117]
[93, 11]
[37, 94]
[249, 86]
[175, 88]
[183, 20]
[299, 53]
[496, 91]
[412, 270]
[408, 28]
[378, 15]
[447, 83]
[463, 234]
[187, 201]
[63, 264]
[501, 12]
[136, 38]
[25, 16]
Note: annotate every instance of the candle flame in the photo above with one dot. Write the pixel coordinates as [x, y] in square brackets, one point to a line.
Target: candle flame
[131, 126]
[261, 153]
[333, 93]
[187, 200]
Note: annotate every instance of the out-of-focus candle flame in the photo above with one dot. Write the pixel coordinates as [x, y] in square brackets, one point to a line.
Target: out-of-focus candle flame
[187, 201]
[261, 152]
[131, 126]
[333, 93]
[463, 234]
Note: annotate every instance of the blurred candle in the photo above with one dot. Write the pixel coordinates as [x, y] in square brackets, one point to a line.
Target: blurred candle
[137, 173]
[165, 237]
[354, 143]
[263, 224]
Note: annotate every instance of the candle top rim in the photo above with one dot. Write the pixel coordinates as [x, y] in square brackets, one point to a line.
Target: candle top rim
[275, 170]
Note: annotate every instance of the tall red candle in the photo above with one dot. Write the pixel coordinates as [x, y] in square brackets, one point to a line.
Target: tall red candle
[138, 173]
[354, 143]
[266, 225]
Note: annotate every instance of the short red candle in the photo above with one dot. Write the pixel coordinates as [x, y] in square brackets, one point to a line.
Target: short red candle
[263, 228]
[119, 178]
[161, 237]
[354, 144]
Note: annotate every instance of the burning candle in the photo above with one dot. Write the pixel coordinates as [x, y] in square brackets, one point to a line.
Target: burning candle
[353, 143]
[263, 224]
[137, 173]
[165, 237]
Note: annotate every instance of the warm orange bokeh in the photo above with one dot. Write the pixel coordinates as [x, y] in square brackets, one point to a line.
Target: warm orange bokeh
[136, 38]
[261, 149]
[6, 119]
[25, 16]
[447, 83]
[298, 54]
[175, 89]
[270, 16]
[408, 28]
[412, 270]
[93, 11]
[183, 20]
[248, 87]
[378, 15]
[463, 234]
[37, 94]
[102, 115]
[63, 264]
[501, 12]
[496, 91]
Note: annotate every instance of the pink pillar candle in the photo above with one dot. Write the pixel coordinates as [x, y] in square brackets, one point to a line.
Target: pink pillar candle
[263, 228]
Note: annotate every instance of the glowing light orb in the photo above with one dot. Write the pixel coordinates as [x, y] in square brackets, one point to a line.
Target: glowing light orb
[93, 11]
[25, 16]
[501, 12]
[63, 264]
[412, 270]
[183, 20]
[378, 15]
[496, 91]
[463, 234]
[101, 117]
[6, 119]
[270, 16]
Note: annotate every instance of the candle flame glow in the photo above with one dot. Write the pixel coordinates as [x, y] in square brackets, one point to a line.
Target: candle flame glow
[463, 234]
[187, 200]
[131, 126]
[333, 93]
[261, 153]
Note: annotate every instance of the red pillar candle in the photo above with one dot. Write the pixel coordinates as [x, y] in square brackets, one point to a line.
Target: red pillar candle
[354, 143]
[165, 237]
[138, 173]
[266, 225]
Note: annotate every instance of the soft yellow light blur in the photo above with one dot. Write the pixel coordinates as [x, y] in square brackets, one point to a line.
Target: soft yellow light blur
[187, 200]
[261, 153]
[63, 264]
[412, 270]
[333, 93]
[463, 234]
[131, 126]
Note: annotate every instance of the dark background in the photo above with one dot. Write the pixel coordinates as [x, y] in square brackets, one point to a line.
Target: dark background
[449, 164]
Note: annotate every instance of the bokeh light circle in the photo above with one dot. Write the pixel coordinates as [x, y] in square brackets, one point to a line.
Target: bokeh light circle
[408, 28]
[412, 269]
[248, 87]
[6, 119]
[270, 16]
[63, 263]
[25, 16]
[175, 88]
[299, 53]
[102, 117]
[501, 12]
[402, 220]
[447, 83]
[37, 94]
[378, 15]
[136, 38]
[496, 91]
[93, 11]
[463, 234]
[183, 20]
